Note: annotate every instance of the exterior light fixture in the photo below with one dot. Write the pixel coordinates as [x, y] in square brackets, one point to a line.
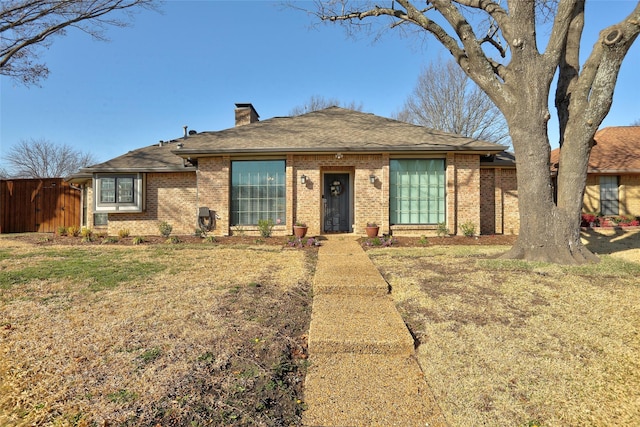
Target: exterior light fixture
[338, 156]
[303, 179]
[372, 179]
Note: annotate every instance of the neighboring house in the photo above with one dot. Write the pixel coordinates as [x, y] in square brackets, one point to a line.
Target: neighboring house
[333, 169]
[613, 174]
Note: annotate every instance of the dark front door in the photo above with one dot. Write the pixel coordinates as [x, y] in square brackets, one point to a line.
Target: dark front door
[336, 198]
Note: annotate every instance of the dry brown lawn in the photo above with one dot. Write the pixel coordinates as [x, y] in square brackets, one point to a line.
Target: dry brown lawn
[153, 335]
[510, 343]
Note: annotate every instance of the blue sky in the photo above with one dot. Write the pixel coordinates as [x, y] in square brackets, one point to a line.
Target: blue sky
[189, 64]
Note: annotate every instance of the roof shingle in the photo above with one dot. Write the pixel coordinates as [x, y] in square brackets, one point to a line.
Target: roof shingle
[616, 150]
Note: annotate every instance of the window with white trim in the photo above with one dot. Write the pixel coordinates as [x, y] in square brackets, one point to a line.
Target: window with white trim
[609, 204]
[417, 191]
[119, 193]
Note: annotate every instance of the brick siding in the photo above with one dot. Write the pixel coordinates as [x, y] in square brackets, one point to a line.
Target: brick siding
[486, 197]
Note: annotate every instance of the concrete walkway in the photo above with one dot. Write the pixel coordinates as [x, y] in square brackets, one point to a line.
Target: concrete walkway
[363, 370]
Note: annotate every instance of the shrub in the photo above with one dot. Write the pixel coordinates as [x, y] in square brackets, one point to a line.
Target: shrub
[442, 229]
[73, 231]
[304, 242]
[62, 231]
[123, 232]
[86, 232]
[210, 239]
[109, 239]
[468, 229]
[384, 241]
[137, 240]
[589, 220]
[423, 240]
[173, 240]
[165, 228]
[266, 227]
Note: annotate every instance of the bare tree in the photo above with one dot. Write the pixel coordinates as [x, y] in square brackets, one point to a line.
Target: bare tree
[39, 158]
[445, 98]
[26, 25]
[317, 102]
[636, 123]
[498, 45]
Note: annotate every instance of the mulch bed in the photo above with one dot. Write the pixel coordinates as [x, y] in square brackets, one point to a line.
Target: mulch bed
[400, 241]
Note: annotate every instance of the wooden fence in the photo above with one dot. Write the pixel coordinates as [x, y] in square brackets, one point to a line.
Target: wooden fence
[38, 205]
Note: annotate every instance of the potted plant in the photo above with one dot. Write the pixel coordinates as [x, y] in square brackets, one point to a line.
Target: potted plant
[372, 229]
[300, 229]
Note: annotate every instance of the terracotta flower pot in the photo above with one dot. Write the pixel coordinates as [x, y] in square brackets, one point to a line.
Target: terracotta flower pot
[372, 231]
[299, 231]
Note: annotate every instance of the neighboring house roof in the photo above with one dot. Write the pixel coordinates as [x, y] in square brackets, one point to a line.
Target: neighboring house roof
[333, 129]
[616, 150]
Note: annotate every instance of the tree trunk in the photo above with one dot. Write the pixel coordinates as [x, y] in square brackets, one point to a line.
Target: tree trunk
[547, 232]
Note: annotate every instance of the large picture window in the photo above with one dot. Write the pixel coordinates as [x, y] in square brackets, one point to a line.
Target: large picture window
[258, 191]
[417, 191]
[115, 192]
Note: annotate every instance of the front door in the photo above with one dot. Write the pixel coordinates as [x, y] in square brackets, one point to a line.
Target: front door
[336, 203]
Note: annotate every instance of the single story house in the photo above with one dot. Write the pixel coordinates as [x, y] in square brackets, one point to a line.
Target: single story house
[613, 174]
[335, 170]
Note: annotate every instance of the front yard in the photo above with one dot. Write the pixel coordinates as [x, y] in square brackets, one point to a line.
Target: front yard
[509, 343]
[180, 335]
[214, 334]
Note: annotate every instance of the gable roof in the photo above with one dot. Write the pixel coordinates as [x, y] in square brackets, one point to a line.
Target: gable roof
[331, 130]
[616, 150]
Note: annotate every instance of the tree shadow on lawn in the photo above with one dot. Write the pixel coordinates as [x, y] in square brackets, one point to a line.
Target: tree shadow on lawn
[609, 240]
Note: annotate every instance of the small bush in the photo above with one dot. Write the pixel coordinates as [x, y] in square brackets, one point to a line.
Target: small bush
[468, 229]
[73, 231]
[442, 230]
[173, 240]
[165, 228]
[86, 232]
[304, 242]
[266, 227]
[383, 241]
[62, 231]
[423, 240]
[123, 232]
[109, 239]
[210, 239]
[137, 240]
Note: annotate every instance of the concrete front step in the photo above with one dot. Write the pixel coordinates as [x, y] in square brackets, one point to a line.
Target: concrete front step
[340, 279]
[380, 391]
[357, 324]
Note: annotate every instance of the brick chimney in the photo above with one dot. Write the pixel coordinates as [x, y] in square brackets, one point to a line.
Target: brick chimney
[246, 114]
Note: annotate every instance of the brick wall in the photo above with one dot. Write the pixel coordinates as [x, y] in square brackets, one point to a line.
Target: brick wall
[486, 197]
[213, 190]
[591, 201]
[628, 194]
[630, 200]
[509, 188]
[467, 191]
[170, 197]
[488, 208]
[370, 202]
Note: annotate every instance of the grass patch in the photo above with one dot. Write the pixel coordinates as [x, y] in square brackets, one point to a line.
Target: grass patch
[169, 340]
[98, 269]
[508, 342]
